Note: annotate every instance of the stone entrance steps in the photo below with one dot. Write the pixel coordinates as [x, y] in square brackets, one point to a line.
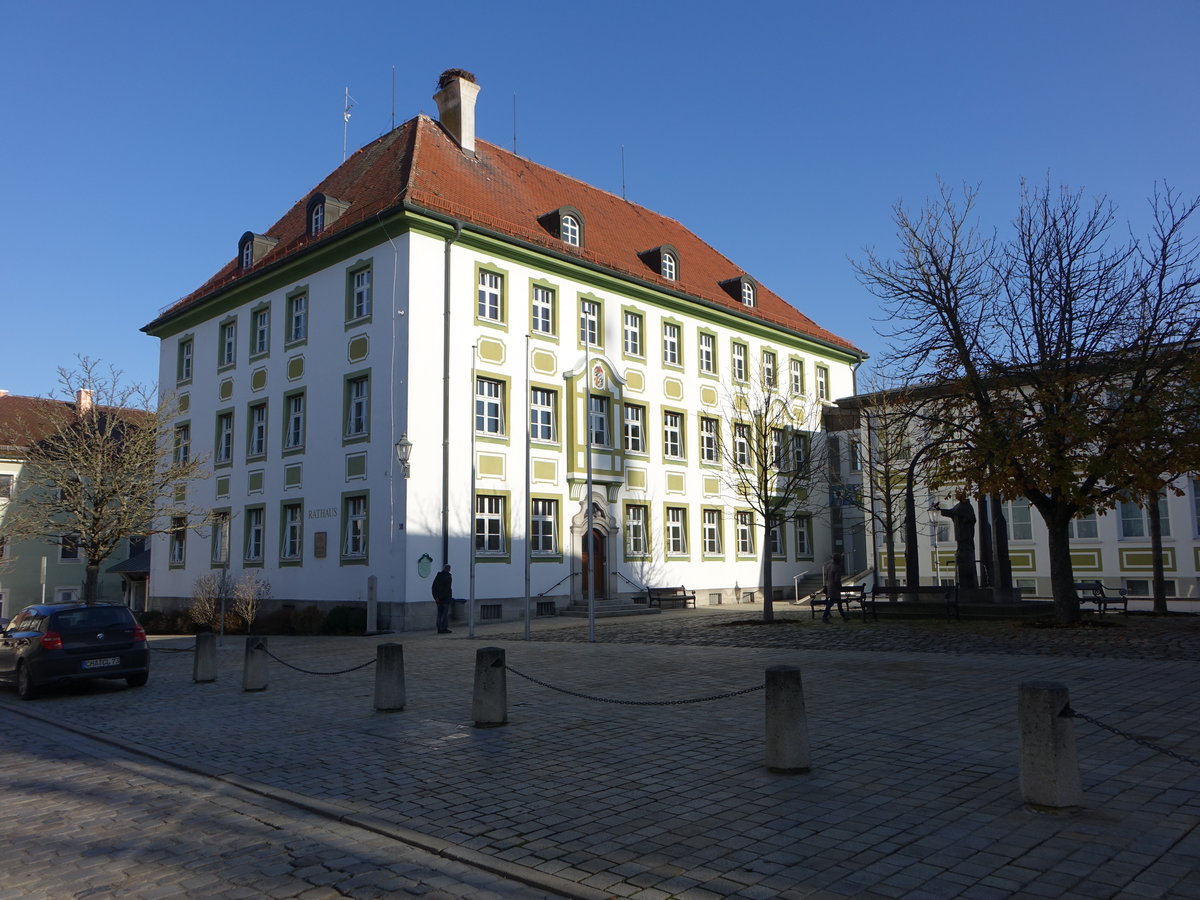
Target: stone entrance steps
[610, 607]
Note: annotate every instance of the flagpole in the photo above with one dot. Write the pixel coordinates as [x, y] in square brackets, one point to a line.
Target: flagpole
[589, 575]
[528, 499]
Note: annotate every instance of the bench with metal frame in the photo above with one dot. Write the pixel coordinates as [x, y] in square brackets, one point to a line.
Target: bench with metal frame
[670, 596]
[1102, 596]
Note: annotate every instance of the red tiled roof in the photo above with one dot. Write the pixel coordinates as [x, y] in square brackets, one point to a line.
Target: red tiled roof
[23, 419]
[419, 165]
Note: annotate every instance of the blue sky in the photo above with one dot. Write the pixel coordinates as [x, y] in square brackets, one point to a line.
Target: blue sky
[143, 138]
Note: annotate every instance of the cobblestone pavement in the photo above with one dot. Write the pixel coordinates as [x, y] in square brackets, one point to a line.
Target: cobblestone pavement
[85, 819]
[913, 789]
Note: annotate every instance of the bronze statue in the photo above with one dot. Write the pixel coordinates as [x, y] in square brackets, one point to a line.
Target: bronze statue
[962, 514]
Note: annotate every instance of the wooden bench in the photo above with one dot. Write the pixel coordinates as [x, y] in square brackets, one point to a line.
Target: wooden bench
[947, 593]
[670, 597]
[852, 596]
[1103, 597]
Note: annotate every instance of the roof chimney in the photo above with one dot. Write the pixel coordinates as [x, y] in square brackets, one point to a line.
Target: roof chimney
[455, 98]
[83, 401]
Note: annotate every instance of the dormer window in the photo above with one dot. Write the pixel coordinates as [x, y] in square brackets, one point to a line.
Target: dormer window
[323, 211]
[253, 247]
[570, 231]
[663, 260]
[743, 288]
[670, 268]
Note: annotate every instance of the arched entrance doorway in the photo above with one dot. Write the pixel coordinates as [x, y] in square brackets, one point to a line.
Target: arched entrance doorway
[590, 559]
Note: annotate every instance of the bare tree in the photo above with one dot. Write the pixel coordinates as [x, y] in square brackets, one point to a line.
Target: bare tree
[1039, 350]
[769, 460]
[207, 591]
[248, 594]
[102, 466]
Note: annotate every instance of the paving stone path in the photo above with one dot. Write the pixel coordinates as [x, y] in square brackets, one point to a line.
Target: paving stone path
[913, 788]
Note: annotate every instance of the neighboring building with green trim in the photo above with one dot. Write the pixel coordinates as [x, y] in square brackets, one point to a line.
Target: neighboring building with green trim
[441, 291]
[36, 571]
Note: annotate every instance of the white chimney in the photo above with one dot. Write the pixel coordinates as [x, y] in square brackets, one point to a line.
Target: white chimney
[83, 401]
[455, 98]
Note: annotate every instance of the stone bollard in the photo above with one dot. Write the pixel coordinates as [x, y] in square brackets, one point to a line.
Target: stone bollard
[1049, 762]
[254, 672]
[389, 677]
[787, 722]
[204, 665]
[489, 705]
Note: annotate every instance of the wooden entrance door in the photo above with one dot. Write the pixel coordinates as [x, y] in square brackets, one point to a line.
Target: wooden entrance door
[594, 563]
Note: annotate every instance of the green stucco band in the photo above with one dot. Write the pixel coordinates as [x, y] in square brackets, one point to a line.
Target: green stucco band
[491, 464]
[358, 348]
[293, 475]
[295, 367]
[356, 465]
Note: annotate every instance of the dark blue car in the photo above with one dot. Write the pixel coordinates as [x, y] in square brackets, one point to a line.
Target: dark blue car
[63, 642]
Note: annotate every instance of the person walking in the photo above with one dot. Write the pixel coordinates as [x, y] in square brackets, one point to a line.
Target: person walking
[832, 573]
[443, 596]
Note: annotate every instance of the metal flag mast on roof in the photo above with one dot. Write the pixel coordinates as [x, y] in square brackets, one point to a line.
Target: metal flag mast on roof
[350, 101]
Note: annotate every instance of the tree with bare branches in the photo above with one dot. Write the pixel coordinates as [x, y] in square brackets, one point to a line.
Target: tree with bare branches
[770, 461]
[1041, 351]
[100, 467]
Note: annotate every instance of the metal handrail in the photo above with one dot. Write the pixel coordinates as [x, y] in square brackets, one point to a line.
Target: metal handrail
[641, 588]
[556, 584]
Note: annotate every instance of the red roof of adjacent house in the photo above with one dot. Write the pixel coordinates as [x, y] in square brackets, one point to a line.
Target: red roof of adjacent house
[25, 419]
[420, 166]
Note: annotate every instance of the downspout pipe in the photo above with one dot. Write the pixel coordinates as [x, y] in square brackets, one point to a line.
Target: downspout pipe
[446, 393]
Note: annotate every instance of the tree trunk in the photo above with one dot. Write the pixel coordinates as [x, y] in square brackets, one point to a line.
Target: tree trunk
[1156, 551]
[912, 558]
[985, 544]
[1002, 585]
[91, 582]
[1062, 573]
[768, 585]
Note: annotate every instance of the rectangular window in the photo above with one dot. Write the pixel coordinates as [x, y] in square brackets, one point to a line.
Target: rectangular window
[768, 369]
[489, 406]
[739, 362]
[358, 406]
[543, 526]
[633, 334]
[676, 530]
[292, 544]
[822, 383]
[354, 527]
[670, 344]
[775, 539]
[1083, 527]
[228, 343]
[257, 435]
[178, 543]
[804, 537]
[745, 533]
[294, 424]
[254, 534]
[262, 331]
[708, 354]
[543, 310]
[224, 448]
[598, 431]
[68, 548]
[589, 323]
[708, 440]
[799, 451]
[220, 538]
[855, 455]
[360, 293]
[183, 367]
[780, 458]
[635, 431]
[489, 525]
[183, 443]
[741, 444]
[1020, 527]
[1135, 520]
[673, 435]
[297, 318]
[712, 532]
[797, 372]
[541, 414]
[635, 530]
[491, 286]
[6, 487]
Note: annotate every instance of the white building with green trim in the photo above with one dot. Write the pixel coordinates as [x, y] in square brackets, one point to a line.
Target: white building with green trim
[502, 320]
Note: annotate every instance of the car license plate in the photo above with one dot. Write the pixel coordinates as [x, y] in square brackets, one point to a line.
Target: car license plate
[101, 663]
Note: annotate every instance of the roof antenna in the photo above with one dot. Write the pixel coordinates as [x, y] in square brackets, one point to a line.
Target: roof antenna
[514, 123]
[623, 197]
[346, 121]
[393, 98]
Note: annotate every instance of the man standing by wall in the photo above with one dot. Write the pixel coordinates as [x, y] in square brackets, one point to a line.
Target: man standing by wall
[443, 596]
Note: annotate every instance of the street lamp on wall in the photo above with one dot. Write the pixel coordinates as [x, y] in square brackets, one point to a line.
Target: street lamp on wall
[403, 452]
